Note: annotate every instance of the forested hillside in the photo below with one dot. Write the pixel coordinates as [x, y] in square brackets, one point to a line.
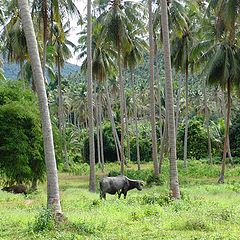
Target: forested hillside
[12, 70]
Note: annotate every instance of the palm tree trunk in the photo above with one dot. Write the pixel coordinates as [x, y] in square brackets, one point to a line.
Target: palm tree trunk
[221, 178]
[45, 36]
[115, 135]
[174, 185]
[160, 108]
[178, 103]
[229, 150]
[207, 124]
[101, 132]
[162, 146]
[121, 85]
[92, 177]
[53, 199]
[152, 94]
[60, 116]
[127, 132]
[97, 124]
[224, 110]
[135, 120]
[186, 122]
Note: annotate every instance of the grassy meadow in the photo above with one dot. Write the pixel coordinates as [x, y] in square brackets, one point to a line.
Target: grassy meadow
[206, 211]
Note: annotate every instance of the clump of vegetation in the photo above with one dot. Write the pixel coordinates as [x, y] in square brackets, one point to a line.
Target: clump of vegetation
[21, 144]
[197, 139]
[161, 199]
[193, 224]
[44, 221]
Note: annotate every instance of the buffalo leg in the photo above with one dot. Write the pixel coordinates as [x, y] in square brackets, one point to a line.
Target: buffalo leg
[103, 195]
[119, 194]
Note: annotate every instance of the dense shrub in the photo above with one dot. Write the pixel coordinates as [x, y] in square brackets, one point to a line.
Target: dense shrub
[145, 147]
[110, 153]
[234, 135]
[109, 149]
[44, 221]
[197, 139]
[21, 144]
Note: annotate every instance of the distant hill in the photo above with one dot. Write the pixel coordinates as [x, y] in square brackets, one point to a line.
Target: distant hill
[11, 70]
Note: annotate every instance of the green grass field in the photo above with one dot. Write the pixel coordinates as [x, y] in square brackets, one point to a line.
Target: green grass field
[207, 210]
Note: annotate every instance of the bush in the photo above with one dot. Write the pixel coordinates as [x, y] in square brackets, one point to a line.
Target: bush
[234, 136]
[44, 221]
[21, 144]
[145, 147]
[160, 199]
[110, 154]
[197, 139]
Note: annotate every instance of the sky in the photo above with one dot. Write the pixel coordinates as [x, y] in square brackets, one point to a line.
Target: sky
[81, 5]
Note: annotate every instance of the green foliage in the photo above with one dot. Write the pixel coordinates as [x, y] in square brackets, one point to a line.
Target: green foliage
[44, 221]
[145, 148]
[110, 154]
[197, 139]
[234, 135]
[21, 144]
[161, 199]
[205, 211]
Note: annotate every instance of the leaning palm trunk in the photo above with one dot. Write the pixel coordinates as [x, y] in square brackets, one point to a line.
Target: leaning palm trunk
[221, 178]
[152, 95]
[92, 177]
[53, 199]
[207, 124]
[121, 84]
[186, 122]
[174, 185]
[135, 120]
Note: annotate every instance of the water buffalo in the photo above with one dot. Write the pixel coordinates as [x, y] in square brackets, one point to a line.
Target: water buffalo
[119, 185]
[20, 188]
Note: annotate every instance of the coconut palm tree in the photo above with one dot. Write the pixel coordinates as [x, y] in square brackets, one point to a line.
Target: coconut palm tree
[174, 184]
[131, 59]
[152, 93]
[103, 67]
[53, 199]
[222, 56]
[61, 52]
[92, 177]
[15, 48]
[50, 13]
[116, 24]
[181, 59]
